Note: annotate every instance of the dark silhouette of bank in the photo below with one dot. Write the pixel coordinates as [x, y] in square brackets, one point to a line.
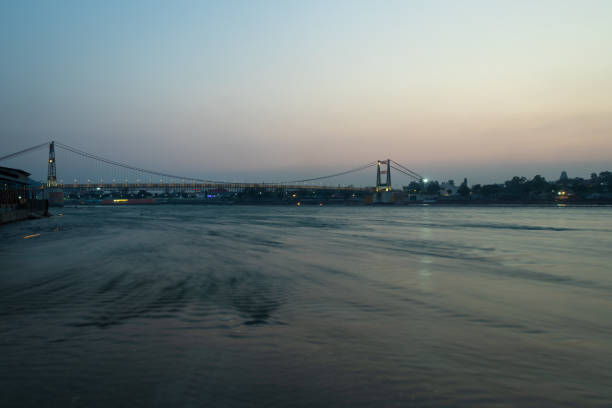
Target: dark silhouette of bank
[597, 189]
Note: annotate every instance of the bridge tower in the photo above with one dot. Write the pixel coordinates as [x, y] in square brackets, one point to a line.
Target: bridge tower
[379, 185]
[51, 177]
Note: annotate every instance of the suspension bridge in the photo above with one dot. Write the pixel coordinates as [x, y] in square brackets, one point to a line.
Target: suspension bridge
[107, 175]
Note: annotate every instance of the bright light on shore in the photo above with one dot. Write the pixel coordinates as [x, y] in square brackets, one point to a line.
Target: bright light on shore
[425, 180]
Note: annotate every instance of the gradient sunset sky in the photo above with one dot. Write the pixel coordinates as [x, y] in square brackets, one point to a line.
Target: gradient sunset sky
[483, 89]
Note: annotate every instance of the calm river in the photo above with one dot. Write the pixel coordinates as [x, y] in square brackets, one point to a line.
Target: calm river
[245, 306]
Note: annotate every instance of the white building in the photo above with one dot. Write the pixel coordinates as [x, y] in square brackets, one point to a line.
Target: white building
[448, 188]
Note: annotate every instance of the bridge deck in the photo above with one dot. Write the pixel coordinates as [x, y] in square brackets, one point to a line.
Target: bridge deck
[206, 186]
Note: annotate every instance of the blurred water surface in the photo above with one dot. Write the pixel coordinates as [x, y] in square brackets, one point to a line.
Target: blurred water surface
[307, 306]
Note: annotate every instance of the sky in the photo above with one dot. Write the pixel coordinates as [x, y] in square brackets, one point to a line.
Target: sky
[270, 90]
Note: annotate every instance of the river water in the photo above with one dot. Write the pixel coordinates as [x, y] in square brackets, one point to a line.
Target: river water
[307, 306]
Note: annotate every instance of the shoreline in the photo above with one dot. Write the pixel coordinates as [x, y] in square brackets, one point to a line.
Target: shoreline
[354, 204]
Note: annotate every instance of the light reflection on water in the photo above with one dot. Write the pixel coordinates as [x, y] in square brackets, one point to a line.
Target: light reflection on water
[277, 306]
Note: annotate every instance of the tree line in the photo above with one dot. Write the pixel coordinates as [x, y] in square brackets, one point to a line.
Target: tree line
[596, 187]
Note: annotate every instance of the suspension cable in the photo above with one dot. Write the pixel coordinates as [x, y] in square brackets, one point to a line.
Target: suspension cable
[24, 151]
[413, 173]
[406, 173]
[365, 166]
[129, 167]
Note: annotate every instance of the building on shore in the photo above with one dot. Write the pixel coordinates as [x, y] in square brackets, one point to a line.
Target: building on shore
[448, 188]
[13, 179]
[18, 199]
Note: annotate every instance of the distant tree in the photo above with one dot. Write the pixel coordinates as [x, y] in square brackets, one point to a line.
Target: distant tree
[579, 186]
[538, 183]
[432, 187]
[492, 191]
[463, 189]
[594, 186]
[605, 181]
[415, 187]
[538, 188]
[516, 188]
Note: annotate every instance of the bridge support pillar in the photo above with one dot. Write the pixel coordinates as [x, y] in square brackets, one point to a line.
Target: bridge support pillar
[387, 185]
[51, 176]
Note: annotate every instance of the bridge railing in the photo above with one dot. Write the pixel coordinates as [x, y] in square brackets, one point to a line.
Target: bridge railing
[206, 186]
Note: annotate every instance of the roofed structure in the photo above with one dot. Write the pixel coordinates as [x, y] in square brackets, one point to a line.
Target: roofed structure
[14, 177]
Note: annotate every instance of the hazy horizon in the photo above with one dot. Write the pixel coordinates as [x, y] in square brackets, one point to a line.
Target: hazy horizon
[271, 90]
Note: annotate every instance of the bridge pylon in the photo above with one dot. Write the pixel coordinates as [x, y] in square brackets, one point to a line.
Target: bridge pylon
[387, 185]
[51, 171]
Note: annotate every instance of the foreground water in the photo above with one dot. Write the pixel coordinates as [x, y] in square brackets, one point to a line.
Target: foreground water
[287, 306]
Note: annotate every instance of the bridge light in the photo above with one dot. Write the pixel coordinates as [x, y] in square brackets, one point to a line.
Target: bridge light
[425, 180]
